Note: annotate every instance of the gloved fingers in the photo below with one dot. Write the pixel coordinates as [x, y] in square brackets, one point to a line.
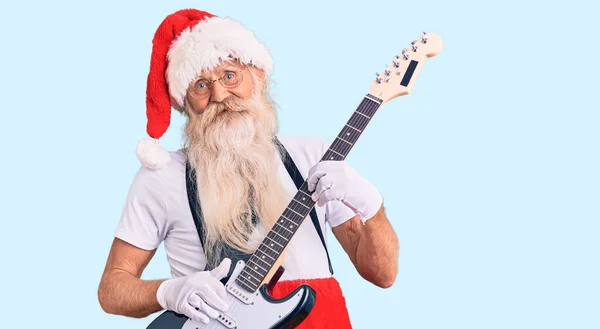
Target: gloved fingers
[200, 305]
[218, 288]
[222, 270]
[324, 184]
[195, 313]
[325, 197]
[314, 175]
[211, 297]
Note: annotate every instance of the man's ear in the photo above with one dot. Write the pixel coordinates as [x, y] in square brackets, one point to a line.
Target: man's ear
[176, 106]
[260, 74]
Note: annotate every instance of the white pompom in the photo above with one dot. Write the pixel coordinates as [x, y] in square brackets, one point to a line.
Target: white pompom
[151, 154]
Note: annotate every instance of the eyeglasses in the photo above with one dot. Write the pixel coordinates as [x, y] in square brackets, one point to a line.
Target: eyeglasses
[229, 78]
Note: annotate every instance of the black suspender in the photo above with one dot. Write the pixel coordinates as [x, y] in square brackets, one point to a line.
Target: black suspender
[298, 181]
[235, 255]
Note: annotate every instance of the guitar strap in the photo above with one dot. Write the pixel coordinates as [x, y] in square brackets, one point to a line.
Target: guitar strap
[229, 251]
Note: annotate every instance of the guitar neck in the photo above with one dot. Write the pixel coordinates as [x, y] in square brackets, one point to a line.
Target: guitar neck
[264, 258]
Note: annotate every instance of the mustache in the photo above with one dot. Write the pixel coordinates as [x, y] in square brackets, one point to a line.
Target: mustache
[221, 117]
[229, 104]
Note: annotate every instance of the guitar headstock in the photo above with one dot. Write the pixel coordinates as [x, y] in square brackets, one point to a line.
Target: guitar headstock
[399, 78]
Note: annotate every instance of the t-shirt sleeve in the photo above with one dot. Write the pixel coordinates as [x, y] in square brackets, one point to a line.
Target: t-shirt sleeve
[144, 216]
[336, 212]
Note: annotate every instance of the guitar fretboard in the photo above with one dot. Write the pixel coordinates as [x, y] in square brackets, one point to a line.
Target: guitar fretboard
[264, 258]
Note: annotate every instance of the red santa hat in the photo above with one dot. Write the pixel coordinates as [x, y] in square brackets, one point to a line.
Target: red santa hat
[187, 42]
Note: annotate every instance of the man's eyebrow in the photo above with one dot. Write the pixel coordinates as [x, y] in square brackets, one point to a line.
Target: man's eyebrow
[230, 66]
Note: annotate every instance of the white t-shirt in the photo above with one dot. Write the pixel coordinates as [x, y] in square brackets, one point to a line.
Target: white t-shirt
[156, 210]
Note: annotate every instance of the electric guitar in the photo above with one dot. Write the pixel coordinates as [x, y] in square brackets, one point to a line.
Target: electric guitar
[250, 305]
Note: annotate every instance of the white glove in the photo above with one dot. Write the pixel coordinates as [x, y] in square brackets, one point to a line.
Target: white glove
[198, 296]
[337, 180]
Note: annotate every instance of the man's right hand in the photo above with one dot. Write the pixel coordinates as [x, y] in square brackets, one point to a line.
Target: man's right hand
[198, 296]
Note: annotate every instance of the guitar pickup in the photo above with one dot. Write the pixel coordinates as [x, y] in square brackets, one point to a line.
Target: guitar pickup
[240, 294]
[226, 321]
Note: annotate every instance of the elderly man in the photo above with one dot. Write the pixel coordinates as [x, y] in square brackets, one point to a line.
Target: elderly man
[212, 201]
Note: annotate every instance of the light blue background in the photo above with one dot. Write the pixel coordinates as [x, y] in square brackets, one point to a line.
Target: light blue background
[489, 168]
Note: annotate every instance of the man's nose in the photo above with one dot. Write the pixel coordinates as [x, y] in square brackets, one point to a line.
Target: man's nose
[219, 93]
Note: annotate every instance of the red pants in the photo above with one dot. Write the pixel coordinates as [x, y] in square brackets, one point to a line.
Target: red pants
[329, 311]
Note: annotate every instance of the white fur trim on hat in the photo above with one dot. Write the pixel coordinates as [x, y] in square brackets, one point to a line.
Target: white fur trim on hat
[151, 154]
[205, 46]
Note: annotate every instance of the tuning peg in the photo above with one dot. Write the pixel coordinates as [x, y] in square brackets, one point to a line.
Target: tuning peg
[387, 79]
[398, 72]
[397, 56]
[378, 80]
[404, 55]
[414, 48]
[387, 72]
[423, 38]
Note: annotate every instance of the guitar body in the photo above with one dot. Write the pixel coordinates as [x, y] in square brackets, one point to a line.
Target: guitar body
[247, 310]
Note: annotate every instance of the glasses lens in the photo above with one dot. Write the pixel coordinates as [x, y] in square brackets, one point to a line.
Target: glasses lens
[201, 87]
[231, 78]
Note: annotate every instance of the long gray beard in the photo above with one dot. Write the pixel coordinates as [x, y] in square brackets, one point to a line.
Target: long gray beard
[231, 147]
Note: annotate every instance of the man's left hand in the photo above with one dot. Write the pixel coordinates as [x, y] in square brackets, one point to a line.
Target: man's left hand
[337, 180]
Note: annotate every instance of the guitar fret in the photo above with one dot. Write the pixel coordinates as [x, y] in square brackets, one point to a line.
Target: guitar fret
[272, 246]
[256, 265]
[358, 121]
[367, 109]
[255, 270]
[283, 224]
[366, 116]
[349, 135]
[294, 211]
[374, 99]
[246, 284]
[261, 272]
[340, 148]
[282, 237]
[275, 241]
[249, 277]
[285, 228]
[292, 216]
[331, 156]
[284, 217]
[264, 254]
[263, 257]
[338, 153]
[279, 237]
[343, 146]
[267, 246]
[338, 137]
[347, 125]
[305, 193]
[299, 208]
[268, 253]
[245, 279]
[262, 260]
[305, 200]
[300, 203]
